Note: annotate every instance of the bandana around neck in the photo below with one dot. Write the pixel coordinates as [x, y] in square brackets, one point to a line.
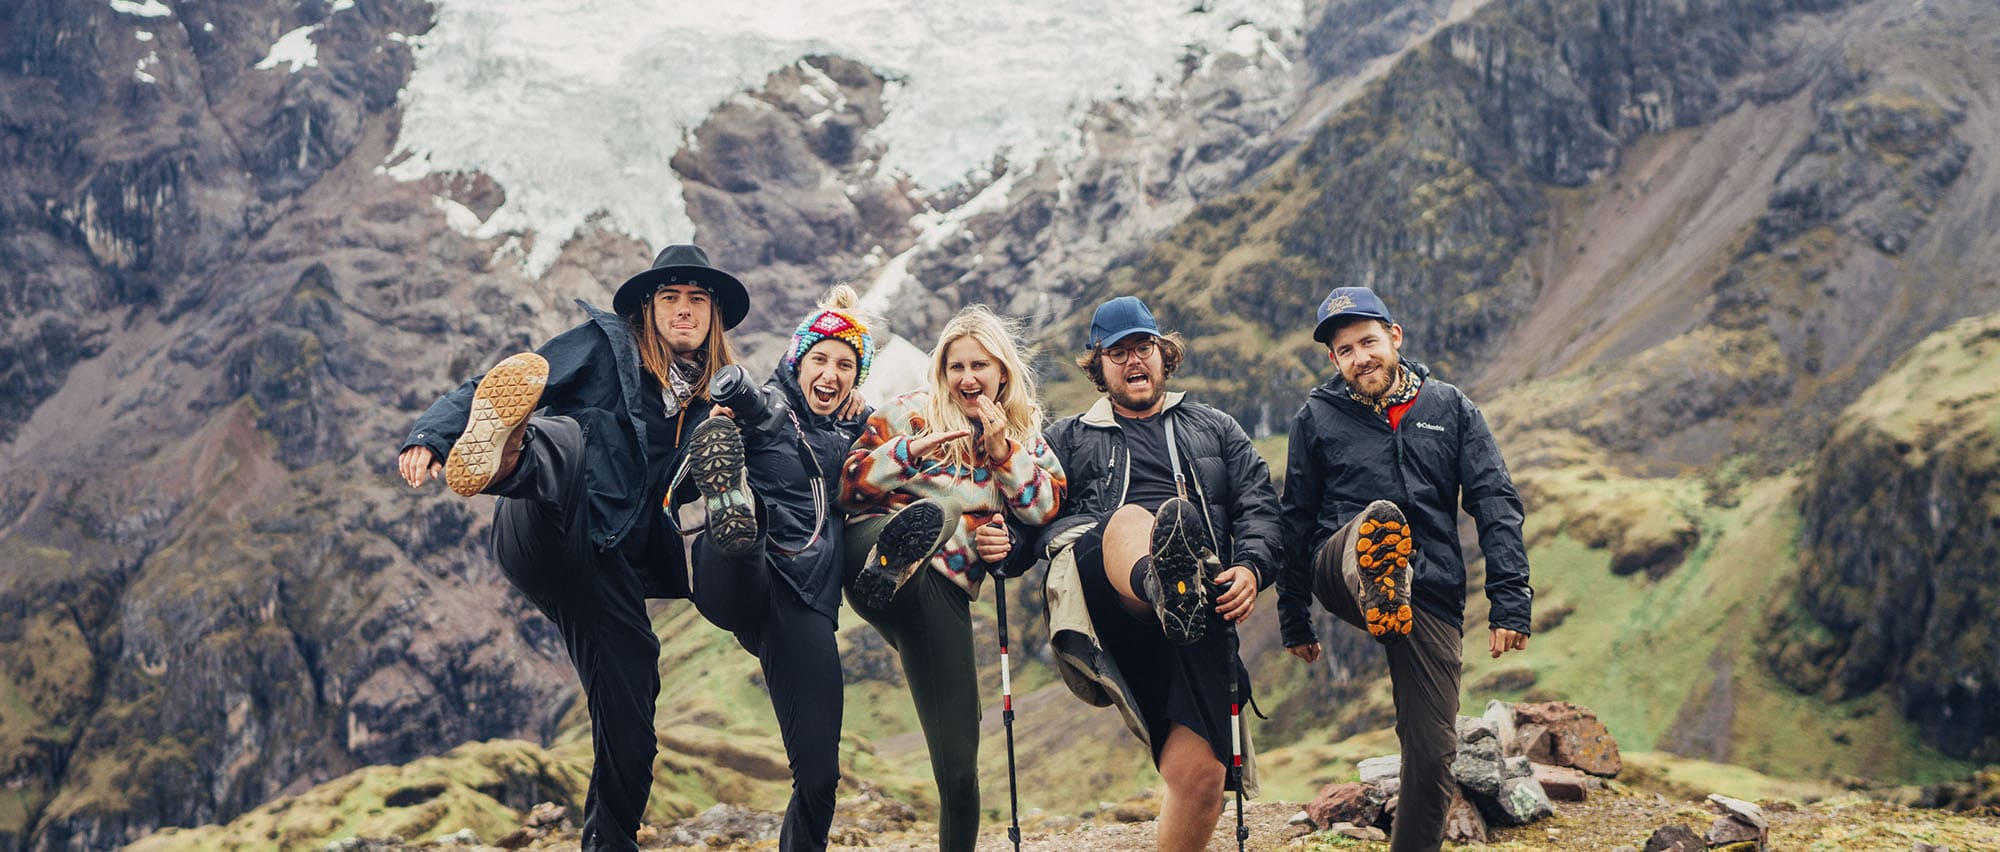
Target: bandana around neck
[1404, 390]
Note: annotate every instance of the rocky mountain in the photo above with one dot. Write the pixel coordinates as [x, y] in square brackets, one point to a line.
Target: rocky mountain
[1677, 250]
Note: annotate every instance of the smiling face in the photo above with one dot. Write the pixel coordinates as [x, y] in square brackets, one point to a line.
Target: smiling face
[681, 314]
[826, 374]
[1134, 375]
[1368, 353]
[970, 371]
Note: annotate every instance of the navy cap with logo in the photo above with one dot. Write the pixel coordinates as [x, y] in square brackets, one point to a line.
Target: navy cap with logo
[1345, 302]
[1119, 318]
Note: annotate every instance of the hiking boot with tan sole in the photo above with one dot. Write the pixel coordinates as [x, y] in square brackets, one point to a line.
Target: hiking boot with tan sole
[491, 444]
[715, 453]
[907, 543]
[1179, 585]
[1378, 557]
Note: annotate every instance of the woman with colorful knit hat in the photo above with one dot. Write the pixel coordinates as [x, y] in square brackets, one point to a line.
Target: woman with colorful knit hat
[768, 567]
[931, 483]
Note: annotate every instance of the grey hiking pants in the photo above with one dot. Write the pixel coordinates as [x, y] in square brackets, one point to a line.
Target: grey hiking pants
[1423, 675]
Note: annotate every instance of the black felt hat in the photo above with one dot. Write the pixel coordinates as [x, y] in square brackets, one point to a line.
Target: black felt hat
[685, 264]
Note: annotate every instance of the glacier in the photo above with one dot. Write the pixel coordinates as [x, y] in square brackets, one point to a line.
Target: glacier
[576, 108]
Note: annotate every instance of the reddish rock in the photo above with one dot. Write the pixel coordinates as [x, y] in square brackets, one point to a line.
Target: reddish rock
[1462, 822]
[1575, 737]
[1352, 802]
[1562, 783]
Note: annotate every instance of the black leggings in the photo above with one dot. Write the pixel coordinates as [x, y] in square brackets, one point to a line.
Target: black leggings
[540, 539]
[801, 662]
[929, 623]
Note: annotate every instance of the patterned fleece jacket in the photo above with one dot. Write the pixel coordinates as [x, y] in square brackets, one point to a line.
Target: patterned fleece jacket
[881, 477]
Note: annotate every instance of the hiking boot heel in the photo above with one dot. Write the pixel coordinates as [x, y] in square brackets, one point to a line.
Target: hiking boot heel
[501, 404]
[715, 461]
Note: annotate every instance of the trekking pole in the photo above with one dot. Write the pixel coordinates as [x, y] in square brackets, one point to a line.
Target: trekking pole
[1236, 671]
[1007, 711]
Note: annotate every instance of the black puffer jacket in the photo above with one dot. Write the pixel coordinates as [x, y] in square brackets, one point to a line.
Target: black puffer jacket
[1343, 456]
[787, 454]
[1230, 480]
[593, 379]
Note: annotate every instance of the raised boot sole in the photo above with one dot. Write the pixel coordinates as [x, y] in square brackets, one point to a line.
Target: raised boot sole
[1180, 597]
[908, 541]
[1382, 552]
[716, 463]
[500, 405]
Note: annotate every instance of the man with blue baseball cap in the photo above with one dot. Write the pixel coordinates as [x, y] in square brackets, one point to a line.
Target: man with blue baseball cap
[1381, 456]
[1169, 528]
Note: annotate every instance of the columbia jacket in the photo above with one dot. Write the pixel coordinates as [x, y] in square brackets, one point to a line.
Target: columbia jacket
[594, 380]
[1230, 481]
[1343, 456]
[794, 460]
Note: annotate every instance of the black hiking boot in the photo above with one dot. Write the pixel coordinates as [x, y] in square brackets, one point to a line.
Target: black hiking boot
[1181, 556]
[715, 460]
[908, 541]
[490, 447]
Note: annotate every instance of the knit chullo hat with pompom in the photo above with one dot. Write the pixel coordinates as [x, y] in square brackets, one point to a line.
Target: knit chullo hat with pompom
[834, 319]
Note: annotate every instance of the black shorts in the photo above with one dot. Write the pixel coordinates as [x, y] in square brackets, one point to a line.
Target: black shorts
[1184, 684]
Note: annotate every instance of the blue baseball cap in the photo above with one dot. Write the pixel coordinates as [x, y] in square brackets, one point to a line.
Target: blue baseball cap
[1118, 318]
[1346, 302]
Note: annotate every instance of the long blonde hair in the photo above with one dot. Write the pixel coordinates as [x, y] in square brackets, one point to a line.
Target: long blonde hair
[657, 358]
[1016, 397]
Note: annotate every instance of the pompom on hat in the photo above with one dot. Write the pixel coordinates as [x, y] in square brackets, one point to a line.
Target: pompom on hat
[834, 320]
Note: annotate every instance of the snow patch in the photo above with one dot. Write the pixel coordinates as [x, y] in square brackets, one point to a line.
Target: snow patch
[295, 48]
[142, 35]
[934, 229]
[147, 9]
[577, 107]
[139, 73]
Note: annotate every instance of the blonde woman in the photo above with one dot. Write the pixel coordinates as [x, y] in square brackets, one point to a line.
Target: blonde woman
[930, 485]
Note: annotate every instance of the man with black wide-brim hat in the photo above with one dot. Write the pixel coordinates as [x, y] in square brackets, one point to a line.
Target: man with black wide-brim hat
[579, 439]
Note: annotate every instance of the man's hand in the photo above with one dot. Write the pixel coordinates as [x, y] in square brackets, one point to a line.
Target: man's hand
[922, 446]
[1241, 598]
[852, 408]
[1308, 652]
[1505, 640]
[417, 464]
[991, 541]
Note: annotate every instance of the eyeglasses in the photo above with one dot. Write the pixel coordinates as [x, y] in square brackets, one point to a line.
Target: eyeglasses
[1125, 353]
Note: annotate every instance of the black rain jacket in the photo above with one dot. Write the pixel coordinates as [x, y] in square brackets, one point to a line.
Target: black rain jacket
[594, 380]
[1228, 479]
[786, 455]
[1343, 456]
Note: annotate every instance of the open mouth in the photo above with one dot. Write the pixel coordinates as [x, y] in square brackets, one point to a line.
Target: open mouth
[970, 394]
[825, 393]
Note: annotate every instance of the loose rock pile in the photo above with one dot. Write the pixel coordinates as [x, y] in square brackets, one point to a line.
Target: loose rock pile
[1512, 761]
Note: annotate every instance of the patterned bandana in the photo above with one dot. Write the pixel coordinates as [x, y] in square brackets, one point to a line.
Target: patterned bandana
[837, 324]
[1404, 390]
[680, 382]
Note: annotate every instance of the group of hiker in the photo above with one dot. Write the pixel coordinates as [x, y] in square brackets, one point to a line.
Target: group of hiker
[634, 458]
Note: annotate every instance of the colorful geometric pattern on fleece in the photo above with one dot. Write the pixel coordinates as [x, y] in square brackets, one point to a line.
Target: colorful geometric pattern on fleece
[880, 477]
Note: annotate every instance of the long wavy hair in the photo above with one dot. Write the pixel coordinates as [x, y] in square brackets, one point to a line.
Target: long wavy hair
[1016, 397]
[657, 358]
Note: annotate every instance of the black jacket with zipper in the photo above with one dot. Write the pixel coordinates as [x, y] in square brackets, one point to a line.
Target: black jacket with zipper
[594, 380]
[787, 454]
[1229, 480]
[1343, 456]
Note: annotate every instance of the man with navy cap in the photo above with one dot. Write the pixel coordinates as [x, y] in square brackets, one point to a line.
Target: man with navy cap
[1381, 456]
[1171, 525]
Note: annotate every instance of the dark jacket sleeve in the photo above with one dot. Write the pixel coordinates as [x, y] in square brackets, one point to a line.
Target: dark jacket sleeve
[1495, 507]
[1061, 438]
[1255, 515]
[570, 356]
[1300, 517]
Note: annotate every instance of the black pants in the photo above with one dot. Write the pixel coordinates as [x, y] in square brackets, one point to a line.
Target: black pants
[1423, 676]
[929, 623]
[596, 602]
[801, 662]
